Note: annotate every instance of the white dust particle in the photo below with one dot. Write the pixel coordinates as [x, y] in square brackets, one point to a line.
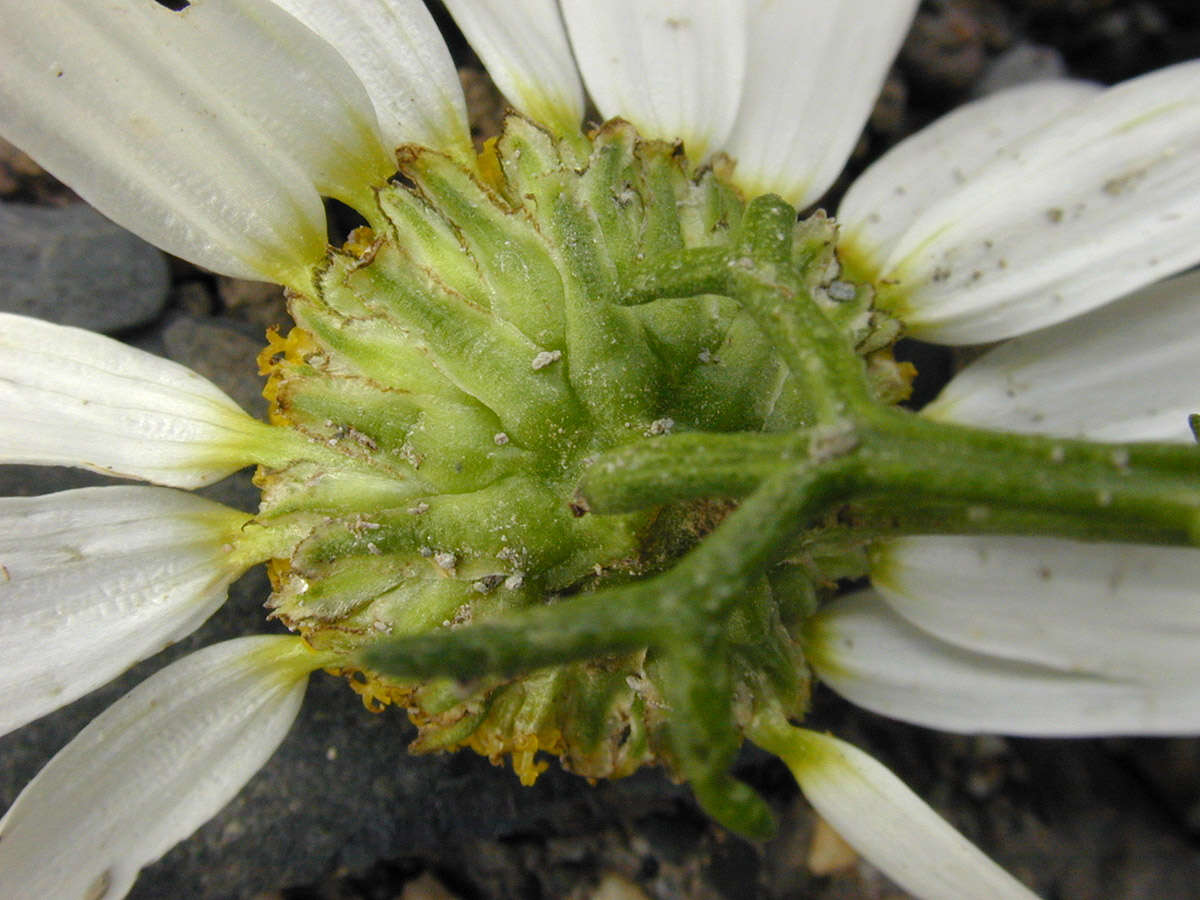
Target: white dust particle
[545, 358]
[842, 291]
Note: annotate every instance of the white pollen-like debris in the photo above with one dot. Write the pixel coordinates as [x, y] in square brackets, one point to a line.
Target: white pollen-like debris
[545, 358]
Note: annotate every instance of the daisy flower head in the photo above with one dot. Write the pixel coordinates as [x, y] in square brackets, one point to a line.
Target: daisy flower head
[575, 438]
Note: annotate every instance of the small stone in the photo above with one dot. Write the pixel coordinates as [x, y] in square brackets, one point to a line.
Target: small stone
[829, 852]
[261, 304]
[223, 355]
[946, 48]
[616, 887]
[488, 583]
[888, 114]
[192, 298]
[485, 104]
[1022, 63]
[426, 887]
[17, 161]
[23, 180]
[72, 266]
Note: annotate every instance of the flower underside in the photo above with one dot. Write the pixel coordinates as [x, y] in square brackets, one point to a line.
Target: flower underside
[462, 364]
[585, 437]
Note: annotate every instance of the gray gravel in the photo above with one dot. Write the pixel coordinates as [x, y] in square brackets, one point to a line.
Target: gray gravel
[72, 266]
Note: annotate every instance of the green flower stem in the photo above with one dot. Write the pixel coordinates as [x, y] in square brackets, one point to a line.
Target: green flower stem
[914, 475]
[819, 355]
[761, 279]
[648, 613]
[710, 578]
[884, 517]
[1143, 493]
[696, 678]
[684, 466]
[606, 622]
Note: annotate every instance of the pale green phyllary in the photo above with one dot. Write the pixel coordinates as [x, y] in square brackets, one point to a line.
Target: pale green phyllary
[578, 444]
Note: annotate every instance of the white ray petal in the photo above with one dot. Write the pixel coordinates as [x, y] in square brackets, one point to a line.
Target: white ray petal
[209, 132]
[1118, 611]
[813, 72]
[151, 769]
[887, 823]
[94, 580]
[1102, 202]
[397, 52]
[674, 68]
[70, 397]
[1127, 372]
[525, 48]
[275, 73]
[875, 658]
[885, 200]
